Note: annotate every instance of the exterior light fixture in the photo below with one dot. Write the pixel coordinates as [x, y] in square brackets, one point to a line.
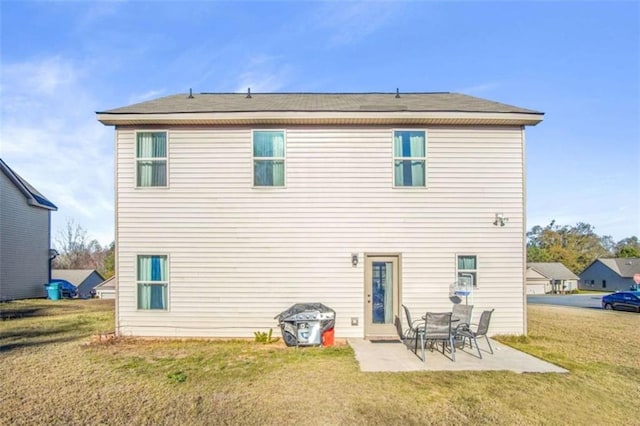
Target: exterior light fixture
[354, 259]
[501, 219]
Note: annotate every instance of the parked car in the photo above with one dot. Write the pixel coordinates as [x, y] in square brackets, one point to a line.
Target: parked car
[66, 288]
[623, 300]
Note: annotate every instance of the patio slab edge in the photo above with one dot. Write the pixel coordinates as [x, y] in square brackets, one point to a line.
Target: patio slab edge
[397, 357]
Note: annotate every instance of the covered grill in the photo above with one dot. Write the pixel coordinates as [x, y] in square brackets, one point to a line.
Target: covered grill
[307, 324]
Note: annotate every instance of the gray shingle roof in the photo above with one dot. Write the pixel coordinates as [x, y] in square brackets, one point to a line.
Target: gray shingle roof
[625, 267]
[318, 102]
[34, 197]
[553, 270]
[74, 276]
[108, 284]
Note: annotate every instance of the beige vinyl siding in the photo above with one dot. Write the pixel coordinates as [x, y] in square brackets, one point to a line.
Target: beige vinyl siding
[24, 245]
[240, 255]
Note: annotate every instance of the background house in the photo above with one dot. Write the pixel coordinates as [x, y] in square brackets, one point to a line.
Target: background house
[609, 274]
[25, 237]
[232, 207]
[107, 289]
[551, 277]
[85, 279]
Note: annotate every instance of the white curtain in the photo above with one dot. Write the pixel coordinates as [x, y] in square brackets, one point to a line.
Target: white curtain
[268, 145]
[409, 145]
[152, 172]
[388, 293]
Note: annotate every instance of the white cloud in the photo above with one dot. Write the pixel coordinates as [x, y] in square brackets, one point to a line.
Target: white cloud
[479, 89]
[141, 97]
[263, 74]
[49, 135]
[352, 21]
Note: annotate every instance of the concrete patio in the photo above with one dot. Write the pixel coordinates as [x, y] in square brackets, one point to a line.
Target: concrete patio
[396, 357]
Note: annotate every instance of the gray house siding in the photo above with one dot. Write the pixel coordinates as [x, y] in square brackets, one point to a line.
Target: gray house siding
[24, 244]
[84, 289]
[600, 277]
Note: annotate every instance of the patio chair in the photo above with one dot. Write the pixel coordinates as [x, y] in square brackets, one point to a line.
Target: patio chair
[437, 328]
[461, 314]
[414, 328]
[481, 330]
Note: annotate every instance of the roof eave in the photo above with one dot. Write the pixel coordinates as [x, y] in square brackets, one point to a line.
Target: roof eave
[33, 202]
[323, 118]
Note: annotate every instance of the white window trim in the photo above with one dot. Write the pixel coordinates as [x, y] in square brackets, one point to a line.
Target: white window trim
[166, 283]
[394, 158]
[136, 159]
[284, 159]
[477, 270]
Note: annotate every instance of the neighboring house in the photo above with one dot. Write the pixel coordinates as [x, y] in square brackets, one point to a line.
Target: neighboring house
[551, 277]
[25, 237]
[609, 274]
[84, 279]
[233, 207]
[107, 290]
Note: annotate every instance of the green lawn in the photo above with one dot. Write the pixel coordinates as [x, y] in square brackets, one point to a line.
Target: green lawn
[53, 372]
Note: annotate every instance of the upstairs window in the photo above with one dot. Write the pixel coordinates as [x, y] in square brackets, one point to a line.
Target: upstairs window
[268, 158]
[151, 159]
[409, 158]
[152, 282]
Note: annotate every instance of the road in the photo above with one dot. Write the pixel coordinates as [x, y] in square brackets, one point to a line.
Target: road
[576, 300]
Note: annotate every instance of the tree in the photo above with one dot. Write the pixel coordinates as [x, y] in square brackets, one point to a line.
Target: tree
[629, 247]
[78, 252]
[575, 246]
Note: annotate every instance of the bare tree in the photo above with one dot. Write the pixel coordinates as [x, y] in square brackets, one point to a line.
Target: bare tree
[78, 252]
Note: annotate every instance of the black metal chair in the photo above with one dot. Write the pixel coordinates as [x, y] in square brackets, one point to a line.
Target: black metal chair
[481, 330]
[437, 328]
[414, 328]
[461, 313]
[460, 319]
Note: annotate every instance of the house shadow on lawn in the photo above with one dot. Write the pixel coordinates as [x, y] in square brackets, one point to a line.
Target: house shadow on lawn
[47, 332]
[19, 345]
[9, 314]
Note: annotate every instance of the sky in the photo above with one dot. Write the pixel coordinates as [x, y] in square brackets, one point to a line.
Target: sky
[578, 62]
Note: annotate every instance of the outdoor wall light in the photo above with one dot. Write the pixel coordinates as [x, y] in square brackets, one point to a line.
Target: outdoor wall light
[501, 219]
[354, 259]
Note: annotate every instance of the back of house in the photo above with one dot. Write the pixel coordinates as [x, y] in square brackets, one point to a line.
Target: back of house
[233, 207]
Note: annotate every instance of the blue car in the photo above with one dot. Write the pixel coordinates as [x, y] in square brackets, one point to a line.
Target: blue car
[623, 300]
[67, 289]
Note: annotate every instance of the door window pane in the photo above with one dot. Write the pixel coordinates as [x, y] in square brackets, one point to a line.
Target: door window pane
[382, 292]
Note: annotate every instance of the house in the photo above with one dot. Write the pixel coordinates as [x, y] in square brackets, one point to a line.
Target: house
[107, 289]
[551, 277]
[609, 274]
[85, 279]
[232, 207]
[25, 237]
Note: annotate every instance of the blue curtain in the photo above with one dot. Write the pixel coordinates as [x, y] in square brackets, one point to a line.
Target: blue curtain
[152, 282]
[410, 151]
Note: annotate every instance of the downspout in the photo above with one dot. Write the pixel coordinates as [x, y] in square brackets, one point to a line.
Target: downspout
[53, 253]
[524, 235]
[116, 250]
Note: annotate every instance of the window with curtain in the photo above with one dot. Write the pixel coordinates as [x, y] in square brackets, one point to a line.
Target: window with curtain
[468, 268]
[268, 158]
[151, 159]
[409, 158]
[152, 282]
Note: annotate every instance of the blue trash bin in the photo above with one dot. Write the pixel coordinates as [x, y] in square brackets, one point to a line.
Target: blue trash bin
[53, 291]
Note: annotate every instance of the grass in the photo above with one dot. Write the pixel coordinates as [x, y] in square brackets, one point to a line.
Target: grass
[53, 372]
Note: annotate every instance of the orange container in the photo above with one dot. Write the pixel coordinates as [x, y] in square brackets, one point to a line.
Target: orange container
[327, 337]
